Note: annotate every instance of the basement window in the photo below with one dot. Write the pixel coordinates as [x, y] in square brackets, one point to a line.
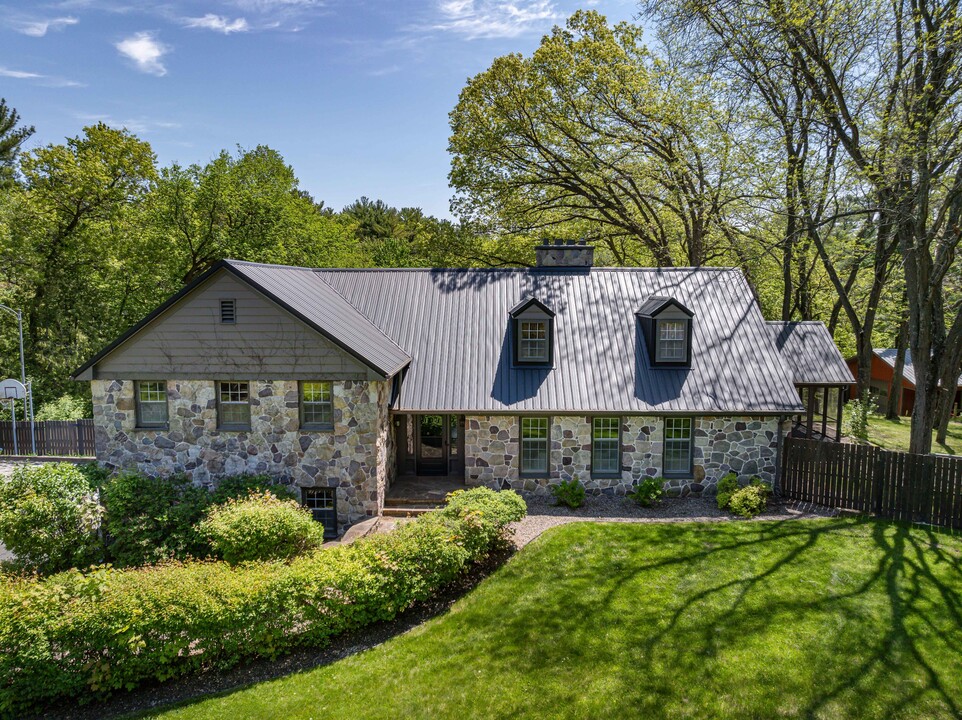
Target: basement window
[322, 502]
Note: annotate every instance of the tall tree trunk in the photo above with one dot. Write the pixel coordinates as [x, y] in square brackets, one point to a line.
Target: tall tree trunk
[950, 382]
[894, 406]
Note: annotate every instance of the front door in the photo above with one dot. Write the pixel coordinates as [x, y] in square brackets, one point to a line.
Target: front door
[432, 445]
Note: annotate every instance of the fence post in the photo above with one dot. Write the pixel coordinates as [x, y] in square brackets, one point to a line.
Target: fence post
[878, 482]
[80, 437]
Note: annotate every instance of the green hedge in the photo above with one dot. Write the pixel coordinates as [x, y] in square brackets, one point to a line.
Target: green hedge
[84, 635]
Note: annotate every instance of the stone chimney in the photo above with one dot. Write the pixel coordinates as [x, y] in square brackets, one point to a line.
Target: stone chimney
[565, 254]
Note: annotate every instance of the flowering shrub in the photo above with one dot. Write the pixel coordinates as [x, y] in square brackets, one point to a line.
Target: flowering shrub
[750, 500]
[260, 526]
[49, 517]
[648, 492]
[84, 635]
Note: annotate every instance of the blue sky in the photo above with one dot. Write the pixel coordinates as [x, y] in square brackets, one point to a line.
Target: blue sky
[355, 95]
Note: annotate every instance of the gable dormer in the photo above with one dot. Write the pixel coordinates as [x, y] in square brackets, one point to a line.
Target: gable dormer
[666, 325]
[532, 332]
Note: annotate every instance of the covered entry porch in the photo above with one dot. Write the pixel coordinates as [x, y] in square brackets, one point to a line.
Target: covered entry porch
[430, 458]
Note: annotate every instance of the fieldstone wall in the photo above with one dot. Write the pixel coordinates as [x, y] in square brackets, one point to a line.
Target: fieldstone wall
[745, 445]
[355, 457]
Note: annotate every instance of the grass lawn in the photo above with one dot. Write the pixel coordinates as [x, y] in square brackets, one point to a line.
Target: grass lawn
[819, 619]
[894, 435]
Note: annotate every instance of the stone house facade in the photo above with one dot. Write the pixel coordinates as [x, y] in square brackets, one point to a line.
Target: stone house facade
[345, 383]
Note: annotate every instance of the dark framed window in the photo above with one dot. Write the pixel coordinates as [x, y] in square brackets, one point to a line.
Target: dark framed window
[322, 502]
[151, 403]
[533, 341]
[228, 312]
[317, 405]
[534, 445]
[672, 341]
[234, 405]
[678, 444]
[606, 446]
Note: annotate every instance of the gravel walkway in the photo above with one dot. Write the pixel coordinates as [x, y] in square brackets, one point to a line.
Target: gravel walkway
[544, 514]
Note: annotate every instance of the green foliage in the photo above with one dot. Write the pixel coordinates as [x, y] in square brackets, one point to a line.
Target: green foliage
[11, 138]
[238, 486]
[856, 416]
[260, 526]
[97, 475]
[49, 517]
[65, 407]
[501, 507]
[648, 492]
[149, 519]
[569, 492]
[726, 486]
[750, 500]
[84, 635]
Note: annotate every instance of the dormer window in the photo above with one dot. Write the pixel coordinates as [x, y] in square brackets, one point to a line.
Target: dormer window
[667, 328]
[532, 330]
[671, 345]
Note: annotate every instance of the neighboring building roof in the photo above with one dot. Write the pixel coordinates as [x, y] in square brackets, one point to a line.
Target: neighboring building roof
[455, 325]
[887, 355]
[808, 349]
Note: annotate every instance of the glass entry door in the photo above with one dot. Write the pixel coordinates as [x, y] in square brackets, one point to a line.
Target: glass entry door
[440, 445]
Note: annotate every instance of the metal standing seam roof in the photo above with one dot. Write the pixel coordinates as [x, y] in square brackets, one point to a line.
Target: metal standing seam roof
[808, 349]
[304, 292]
[455, 324]
[887, 355]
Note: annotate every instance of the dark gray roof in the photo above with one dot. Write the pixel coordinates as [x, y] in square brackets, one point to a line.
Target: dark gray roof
[887, 355]
[303, 292]
[808, 349]
[455, 326]
[656, 303]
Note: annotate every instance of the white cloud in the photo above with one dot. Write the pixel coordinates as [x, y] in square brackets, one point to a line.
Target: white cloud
[218, 23]
[494, 18]
[146, 52]
[139, 125]
[38, 78]
[39, 28]
[19, 74]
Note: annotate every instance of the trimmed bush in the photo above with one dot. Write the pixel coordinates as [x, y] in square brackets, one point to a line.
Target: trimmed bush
[569, 492]
[260, 526]
[84, 635]
[238, 486]
[149, 519]
[749, 501]
[648, 492]
[49, 516]
[726, 486]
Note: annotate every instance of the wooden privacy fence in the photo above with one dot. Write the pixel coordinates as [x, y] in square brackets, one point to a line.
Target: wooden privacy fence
[896, 485]
[53, 437]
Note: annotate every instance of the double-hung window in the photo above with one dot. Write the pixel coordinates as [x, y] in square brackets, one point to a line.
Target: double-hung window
[606, 446]
[151, 403]
[678, 444]
[533, 341]
[234, 405]
[672, 341]
[534, 446]
[322, 502]
[317, 406]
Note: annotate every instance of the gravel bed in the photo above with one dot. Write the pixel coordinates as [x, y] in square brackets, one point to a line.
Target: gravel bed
[544, 514]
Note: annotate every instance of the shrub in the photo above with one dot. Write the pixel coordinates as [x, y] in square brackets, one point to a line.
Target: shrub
[260, 526]
[238, 486]
[856, 416]
[149, 519]
[750, 500]
[96, 474]
[569, 492]
[501, 507]
[726, 486]
[648, 492]
[49, 516]
[84, 635]
[65, 407]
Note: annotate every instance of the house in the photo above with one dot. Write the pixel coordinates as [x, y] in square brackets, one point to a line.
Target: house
[345, 382]
[883, 370]
[821, 376]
